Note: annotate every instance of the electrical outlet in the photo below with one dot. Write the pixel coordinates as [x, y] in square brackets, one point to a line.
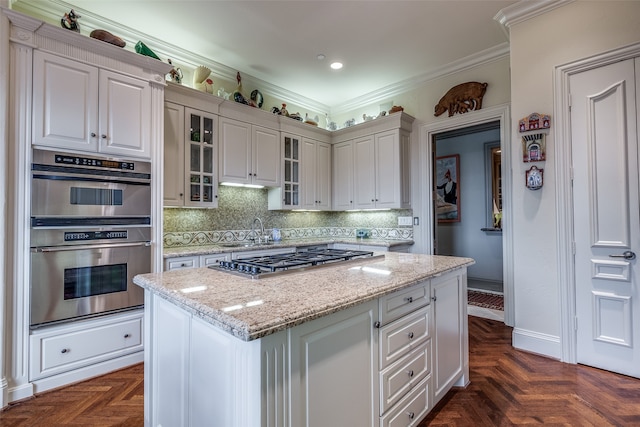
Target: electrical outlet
[405, 220]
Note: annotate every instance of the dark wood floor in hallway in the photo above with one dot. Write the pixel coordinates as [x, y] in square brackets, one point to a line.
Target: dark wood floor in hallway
[508, 387]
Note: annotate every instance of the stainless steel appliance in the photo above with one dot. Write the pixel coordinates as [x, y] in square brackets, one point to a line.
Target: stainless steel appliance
[90, 234]
[262, 266]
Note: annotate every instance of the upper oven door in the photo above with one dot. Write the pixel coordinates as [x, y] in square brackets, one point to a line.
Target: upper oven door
[69, 186]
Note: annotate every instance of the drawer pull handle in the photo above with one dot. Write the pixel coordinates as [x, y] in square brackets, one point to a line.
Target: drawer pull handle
[410, 373]
[411, 415]
[410, 300]
[410, 334]
[65, 350]
[127, 335]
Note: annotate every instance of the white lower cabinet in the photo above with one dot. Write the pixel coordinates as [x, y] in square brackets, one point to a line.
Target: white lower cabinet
[450, 332]
[63, 353]
[369, 365]
[332, 361]
[177, 263]
[373, 248]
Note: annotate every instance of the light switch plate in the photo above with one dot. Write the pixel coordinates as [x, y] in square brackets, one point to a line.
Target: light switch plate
[405, 220]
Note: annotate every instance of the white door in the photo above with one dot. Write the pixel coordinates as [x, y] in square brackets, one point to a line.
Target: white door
[604, 118]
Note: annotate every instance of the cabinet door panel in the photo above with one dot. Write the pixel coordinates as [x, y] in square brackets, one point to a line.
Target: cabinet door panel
[343, 176]
[65, 103]
[388, 170]
[173, 154]
[323, 176]
[364, 173]
[235, 151]
[125, 114]
[334, 369]
[266, 157]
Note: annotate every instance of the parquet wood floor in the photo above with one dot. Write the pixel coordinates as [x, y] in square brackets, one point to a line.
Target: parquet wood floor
[508, 388]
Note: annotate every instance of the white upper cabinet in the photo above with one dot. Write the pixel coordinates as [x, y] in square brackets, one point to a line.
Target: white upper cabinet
[249, 154]
[81, 107]
[173, 154]
[371, 164]
[316, 175]
[343, 176]
[190, 157]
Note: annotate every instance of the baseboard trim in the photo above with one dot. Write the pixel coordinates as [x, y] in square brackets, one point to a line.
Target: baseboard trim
[536, 342]
[87, 372]
[20, 392]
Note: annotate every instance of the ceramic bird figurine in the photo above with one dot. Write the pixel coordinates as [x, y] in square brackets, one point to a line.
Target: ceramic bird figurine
[237, 94]
[70, 21]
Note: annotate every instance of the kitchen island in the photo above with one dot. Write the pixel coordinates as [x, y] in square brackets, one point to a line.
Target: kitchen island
[368, 342]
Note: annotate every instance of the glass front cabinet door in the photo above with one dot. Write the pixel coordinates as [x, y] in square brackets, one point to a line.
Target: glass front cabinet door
[291, 183]
[201, 159]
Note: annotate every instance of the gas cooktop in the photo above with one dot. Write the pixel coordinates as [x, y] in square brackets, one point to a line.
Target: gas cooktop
[261, 266]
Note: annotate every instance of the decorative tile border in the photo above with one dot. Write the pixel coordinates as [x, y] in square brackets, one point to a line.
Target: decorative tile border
[200, 238]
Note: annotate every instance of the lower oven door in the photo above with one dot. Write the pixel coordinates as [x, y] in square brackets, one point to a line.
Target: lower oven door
[70, 282]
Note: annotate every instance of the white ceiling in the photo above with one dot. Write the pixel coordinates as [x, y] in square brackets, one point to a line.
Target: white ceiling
[381, 43]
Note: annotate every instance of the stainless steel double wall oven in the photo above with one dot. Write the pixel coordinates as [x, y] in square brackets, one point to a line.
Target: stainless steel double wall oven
[90, 234]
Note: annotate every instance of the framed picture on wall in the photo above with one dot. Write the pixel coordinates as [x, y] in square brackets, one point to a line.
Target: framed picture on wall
[448, 188]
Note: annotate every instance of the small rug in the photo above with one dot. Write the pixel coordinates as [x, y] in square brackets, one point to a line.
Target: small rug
[486, 300]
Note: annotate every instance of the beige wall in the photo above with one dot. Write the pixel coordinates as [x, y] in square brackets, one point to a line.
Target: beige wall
[420, 102]
[567, 34]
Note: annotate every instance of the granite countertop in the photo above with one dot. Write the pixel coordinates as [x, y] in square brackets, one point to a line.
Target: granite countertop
[253, 308]
[170, 252]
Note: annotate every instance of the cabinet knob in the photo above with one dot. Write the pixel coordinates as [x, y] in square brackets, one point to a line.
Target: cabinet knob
[373, 200]
[127, 335]
[93, 134]
[103, 136]
[376, 324]
[65, 350]
[410, 373]
[411, 415]
[410, 335]
[410, 300]
[434, 299]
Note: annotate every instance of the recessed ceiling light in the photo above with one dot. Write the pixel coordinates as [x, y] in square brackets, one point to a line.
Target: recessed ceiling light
[336, 65]
[320, 57]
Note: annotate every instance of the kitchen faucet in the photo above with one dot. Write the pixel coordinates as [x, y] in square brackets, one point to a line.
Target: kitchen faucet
[253, 232]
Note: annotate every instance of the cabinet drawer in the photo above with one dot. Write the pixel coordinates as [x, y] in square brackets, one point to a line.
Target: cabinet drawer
[181, 262]
[404, 301]
[399, 378]
[213, 259]
[64, 348]
[411, 409]
[403, 335]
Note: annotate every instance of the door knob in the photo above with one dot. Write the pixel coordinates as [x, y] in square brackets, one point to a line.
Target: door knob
[626, 255]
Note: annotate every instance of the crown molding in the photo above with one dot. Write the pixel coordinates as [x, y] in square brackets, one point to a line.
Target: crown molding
[486, 56]
[53, 9]
[527, 9]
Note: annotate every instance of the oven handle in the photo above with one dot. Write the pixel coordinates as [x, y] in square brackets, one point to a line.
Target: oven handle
[83, 247]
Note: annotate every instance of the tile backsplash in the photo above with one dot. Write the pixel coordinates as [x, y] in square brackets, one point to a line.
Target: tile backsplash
[237, 207]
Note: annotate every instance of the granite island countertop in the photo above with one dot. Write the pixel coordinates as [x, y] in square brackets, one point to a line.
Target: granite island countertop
[253, 308]
[178, 251]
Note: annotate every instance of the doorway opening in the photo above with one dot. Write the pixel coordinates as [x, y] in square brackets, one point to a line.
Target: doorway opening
[470, 227]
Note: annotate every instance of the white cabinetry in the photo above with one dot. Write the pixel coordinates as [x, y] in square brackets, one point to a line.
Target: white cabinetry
[405, 356]
[288, 195]
[373, 248]
[332, 361]
[379, 175]
[249, 154]
[316, 175]
[371, 164]
[58, 351]
[81, 107]
[343, 176]
[190, 157]
[177, 263]
[450, 333]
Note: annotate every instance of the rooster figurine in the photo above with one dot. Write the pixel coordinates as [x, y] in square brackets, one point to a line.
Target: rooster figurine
[70, 21]
[237, 94]
[201, 80]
